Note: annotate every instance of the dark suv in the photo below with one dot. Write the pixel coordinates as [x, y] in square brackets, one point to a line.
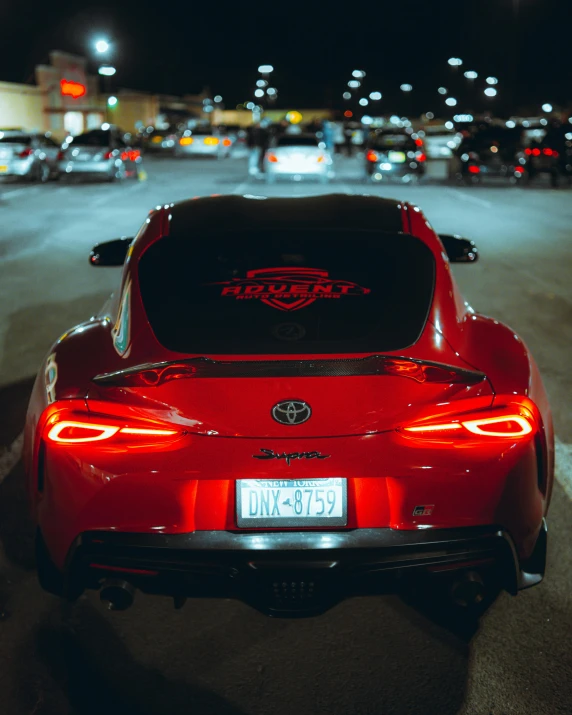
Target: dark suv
[491, 152]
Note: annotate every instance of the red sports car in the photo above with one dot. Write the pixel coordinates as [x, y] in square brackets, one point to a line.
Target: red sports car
[288, 402]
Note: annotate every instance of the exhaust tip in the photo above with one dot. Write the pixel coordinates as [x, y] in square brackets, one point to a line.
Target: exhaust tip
[117, 595]
[468, 590]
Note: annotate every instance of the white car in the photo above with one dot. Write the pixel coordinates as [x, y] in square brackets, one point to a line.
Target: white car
[298, 156]
[440, 143]
[203, 141]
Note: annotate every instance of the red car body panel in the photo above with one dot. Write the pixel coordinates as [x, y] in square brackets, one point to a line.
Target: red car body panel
[187, 482]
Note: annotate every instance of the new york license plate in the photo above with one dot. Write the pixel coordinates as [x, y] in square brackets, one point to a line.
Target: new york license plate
[291, 502]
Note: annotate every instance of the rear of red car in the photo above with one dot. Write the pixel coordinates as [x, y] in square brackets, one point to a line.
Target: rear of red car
[275, 416]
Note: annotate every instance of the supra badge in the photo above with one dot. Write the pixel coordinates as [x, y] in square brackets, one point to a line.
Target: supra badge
[291, 412]
[271, 454]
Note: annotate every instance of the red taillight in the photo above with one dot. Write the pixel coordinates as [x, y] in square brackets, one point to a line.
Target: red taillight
[519, 169]
[420, 156]
[536, 152]
[547, 152]
[371, 156]
[509, 424]
[474, 170]
[419, 142]
[108, 155]
[226, 142]
[272, 158]
[84, 431]
[528, 151]
[26, 153]
[60, 156]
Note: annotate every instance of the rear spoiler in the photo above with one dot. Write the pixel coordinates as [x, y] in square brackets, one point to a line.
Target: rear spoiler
[155, 374]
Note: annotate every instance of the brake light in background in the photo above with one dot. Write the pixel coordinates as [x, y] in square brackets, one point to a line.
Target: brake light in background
[419, 142]
[507, 425]
[60, 156]
[226, 142]
[82, 432]
[528, 152]
[321, 159]
[420, 156]
[371, 156]
[185, 141]
[26, 153]
[131, 155]
[519, 169]
[272, 158]
[108, 155]
[547, 152]
[474, 170]
[536, 152]
[211, 141]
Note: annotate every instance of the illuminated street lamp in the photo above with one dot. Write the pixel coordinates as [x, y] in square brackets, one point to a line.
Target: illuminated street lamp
[491, 80]
[261, 83]
[455, 61]
[364, 102]
[259, 93]
[490, 92]
[375, 96]
[217, 99]
[358, 74]
[451, 102]
[406, 87]
[271, 91]
[347, 95]
[547, 107]
[354, 83]
[265, 69]
[102, 46]
[442, 90]
[112, 101]
[471, 74]
[106, 70]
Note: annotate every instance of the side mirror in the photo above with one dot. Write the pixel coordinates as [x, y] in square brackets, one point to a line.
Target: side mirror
[459, 249]
[110, 253]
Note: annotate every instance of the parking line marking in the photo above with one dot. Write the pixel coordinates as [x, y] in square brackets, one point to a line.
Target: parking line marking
[564, 466]
[9, 457]
[110, 195]
[17, 192]
[470, 198]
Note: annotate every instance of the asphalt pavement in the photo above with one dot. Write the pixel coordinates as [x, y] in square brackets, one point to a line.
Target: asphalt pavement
[368, 655]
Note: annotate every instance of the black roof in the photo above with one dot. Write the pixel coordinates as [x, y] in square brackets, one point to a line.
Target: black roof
[335, 211]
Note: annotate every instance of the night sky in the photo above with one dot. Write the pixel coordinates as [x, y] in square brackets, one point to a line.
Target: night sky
[175, 47]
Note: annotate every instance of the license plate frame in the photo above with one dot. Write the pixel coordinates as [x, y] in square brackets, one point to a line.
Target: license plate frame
[338, 484]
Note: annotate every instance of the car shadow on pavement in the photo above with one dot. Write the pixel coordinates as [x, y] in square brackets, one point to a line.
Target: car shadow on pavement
[87, 670]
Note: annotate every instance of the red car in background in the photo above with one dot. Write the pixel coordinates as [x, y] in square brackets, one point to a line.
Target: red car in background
[288, 402]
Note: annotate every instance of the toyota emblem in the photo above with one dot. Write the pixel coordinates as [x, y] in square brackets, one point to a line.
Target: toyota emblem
[291, 412]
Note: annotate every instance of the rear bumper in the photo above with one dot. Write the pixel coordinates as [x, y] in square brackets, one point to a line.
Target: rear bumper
[17, 168]
[291, 573]
[89, 167]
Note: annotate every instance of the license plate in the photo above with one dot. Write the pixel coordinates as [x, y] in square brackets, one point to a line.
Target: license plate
[396, 157]
[3, 169]
[291, 502]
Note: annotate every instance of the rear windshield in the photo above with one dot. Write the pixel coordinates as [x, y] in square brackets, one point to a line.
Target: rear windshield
[297, 141]
[391, 141]
[287, 291]
[97, 138]
[16, 139]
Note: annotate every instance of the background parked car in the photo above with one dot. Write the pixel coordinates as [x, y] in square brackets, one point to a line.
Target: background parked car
[552, 155]
[102, 153]
[491, 152]
[27, 155]
[395, 155]
[203, 141]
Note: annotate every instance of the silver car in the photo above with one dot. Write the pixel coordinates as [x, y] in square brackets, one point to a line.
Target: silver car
[27, 155]
[203, 142]
[100, 153]
[298, 156]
